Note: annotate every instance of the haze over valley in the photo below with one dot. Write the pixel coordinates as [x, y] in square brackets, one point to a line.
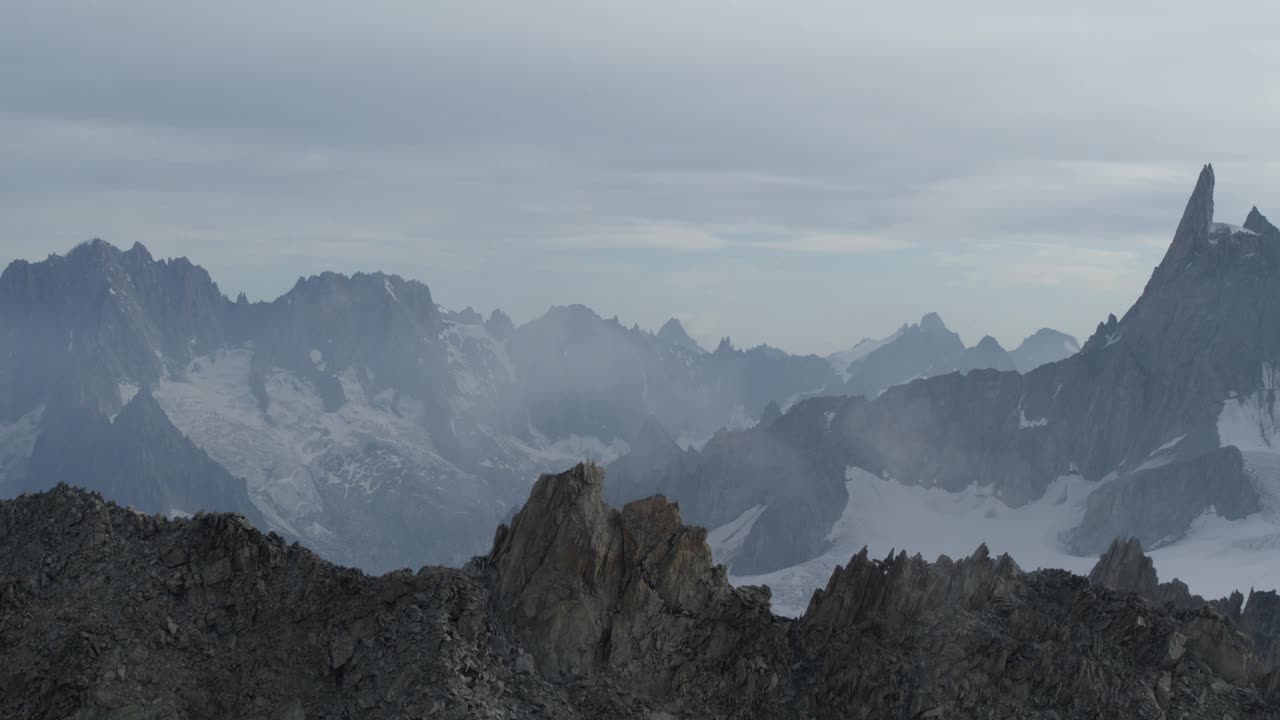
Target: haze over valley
[658, 361]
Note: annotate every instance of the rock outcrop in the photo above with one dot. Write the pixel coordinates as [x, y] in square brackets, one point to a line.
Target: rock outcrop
[633, 594]
[1126, 568]
[1139, 503]
[579, 611]
[1239, 639]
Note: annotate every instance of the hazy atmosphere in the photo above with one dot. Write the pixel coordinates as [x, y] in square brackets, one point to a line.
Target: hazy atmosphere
[639, 360]
[800, 178]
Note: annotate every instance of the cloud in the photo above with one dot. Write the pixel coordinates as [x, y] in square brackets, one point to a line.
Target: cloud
[662, 237]
[1039, 265]
[761, 169]
[837, 244]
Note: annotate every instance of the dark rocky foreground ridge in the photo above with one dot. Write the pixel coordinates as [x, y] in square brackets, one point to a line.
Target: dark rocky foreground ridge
[579, 611]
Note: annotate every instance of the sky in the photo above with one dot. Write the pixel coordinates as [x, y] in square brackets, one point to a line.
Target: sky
[801, 174]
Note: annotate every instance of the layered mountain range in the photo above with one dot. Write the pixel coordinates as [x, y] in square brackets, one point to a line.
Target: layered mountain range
[930, 348]
[1161, 427]
[353, 413]
[581, 610]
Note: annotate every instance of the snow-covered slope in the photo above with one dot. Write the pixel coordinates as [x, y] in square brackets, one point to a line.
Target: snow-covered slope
[353, 413]
[885, 515]
[1215, 557]
[1162, 427]
[319, 474]
[840, 361]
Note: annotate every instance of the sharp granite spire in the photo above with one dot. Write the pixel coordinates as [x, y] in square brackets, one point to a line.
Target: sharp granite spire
[1196, 219]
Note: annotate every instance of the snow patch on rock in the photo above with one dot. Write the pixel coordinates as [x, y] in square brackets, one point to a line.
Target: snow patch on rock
[726, 540]
[884, 514]
[17, 440]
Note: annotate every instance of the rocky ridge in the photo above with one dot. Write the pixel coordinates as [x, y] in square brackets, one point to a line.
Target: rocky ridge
[353, 412]
[1167, 413]
[579, 610]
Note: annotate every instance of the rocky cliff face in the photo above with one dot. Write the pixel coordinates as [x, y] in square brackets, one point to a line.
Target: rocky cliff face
[579, 611]
[632, 594]
[138, 458]
[918, 350]
[365, 419]
[76, 326]
[1169, 412]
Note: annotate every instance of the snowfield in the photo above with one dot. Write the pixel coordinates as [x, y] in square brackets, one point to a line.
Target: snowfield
[310, 471]
[1216, 557]
[885, 515]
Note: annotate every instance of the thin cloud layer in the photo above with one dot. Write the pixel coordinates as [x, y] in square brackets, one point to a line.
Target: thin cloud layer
[802, 176]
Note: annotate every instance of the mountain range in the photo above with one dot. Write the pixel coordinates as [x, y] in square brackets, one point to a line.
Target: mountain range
[1162, 427]
[930, 348]
[352, 413]
[355, 415]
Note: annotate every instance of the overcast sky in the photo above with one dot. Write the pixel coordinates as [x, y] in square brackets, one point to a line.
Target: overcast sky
[803, 174]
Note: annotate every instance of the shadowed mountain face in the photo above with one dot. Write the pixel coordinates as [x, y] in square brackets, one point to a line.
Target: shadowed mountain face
[138, 457]
[354, 412]
[75, 327]
[915, 351]
[929, 348]
[580, 610]
[1137, 417]
[1041, 348]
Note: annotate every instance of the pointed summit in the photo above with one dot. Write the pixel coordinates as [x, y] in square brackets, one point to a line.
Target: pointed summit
[499, 325]
[989, 344]
[672, 332]
[1257, 222]
[654, 440]
[1193, 230]
[987, 354]
[932, 321]
[141, 253]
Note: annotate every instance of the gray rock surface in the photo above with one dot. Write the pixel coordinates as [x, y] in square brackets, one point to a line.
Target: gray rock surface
[363, 418]
[1137, 407]
[579, 611]
[988, 354]
[1042, 347]
[1138, 504]
[918, 350]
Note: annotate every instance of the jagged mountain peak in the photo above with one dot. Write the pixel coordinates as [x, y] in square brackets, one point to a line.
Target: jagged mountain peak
[989, 344]
[653, 439]
[932, 322]
[380, 285]
[1193, 229]
[579, 611]
[988, 354]
[1044, 346]
[672, 332]
[1043, 332]
[142, 409]
[1126, 568]
[499, 325]
[1258, 223]
[615, 565]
